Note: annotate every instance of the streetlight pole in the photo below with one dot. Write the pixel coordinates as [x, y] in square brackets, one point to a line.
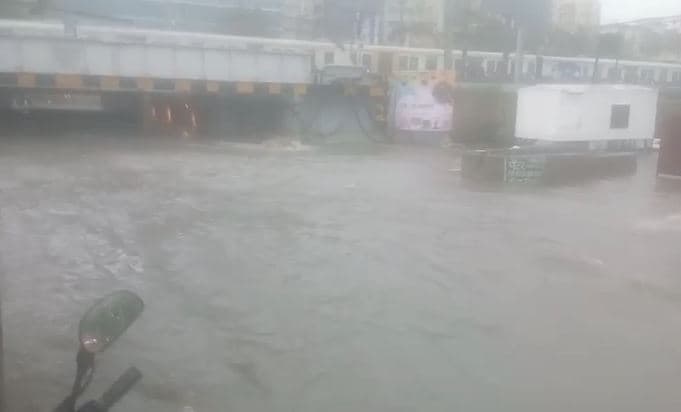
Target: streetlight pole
[519, 47]
[402, 28]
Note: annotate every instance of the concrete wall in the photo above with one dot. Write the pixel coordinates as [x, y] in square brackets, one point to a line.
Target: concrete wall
[484, 116]
[323, 114]
[327, 112]
[669, 131]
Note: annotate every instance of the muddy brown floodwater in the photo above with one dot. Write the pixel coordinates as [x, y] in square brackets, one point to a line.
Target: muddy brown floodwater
[317, 281]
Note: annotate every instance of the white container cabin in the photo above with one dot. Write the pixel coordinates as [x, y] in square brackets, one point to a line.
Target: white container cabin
[594, 116]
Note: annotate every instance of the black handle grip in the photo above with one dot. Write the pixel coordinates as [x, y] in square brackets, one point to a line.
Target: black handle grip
[119, 388]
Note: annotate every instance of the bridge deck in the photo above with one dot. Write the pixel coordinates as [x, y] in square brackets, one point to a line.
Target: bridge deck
[50, 49]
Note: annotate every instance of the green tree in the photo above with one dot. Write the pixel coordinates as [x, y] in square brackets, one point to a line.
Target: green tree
[346, 20]
[609, 45]
[469, 25]
[651, 44]
[665, 44]
[565, 43]
[339, 20]
[463, 21]
[249, 22]
[367, 14]
[671, 42]
[473, 28]
[532, 15]
[415, 24]
[17, 9]
[529, 18]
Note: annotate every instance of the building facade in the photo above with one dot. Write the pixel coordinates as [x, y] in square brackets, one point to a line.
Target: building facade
[576, 15]
[655, 24]
[651, 38]
[302, 19]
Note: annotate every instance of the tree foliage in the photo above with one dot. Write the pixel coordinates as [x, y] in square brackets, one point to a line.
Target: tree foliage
[565, 43]
[249, 22]
[345, 20]
[340, 19]
[664, 44]
[534, 15]
[491, 24]
[482, 32]
[610, 45]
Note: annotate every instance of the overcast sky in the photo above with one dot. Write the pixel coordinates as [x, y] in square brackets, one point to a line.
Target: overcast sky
[622, 10]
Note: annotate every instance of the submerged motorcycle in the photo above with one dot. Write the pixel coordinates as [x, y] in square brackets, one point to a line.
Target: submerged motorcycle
[101, 325]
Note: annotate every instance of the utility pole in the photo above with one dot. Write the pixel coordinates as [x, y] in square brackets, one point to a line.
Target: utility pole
[519, 47]
[2, 375]
[594, 76]
[447, 34]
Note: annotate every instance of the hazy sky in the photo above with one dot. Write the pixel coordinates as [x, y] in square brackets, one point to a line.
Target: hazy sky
[621, 10]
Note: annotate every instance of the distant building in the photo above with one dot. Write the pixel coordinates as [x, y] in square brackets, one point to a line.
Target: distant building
[413, 22]
[271, 18]
[652, 38]
[17, 9]
[655, 24]
[302, 19]
[575, 15]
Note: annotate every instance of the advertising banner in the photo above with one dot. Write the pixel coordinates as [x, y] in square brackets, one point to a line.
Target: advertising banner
[426, 104]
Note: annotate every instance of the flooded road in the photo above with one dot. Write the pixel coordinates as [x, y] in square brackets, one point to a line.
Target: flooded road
[315, 281]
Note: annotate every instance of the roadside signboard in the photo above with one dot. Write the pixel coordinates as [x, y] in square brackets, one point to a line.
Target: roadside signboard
[524, 169]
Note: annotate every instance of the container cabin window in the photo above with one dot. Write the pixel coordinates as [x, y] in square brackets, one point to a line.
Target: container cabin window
[413, 63]
[329, 58]
[403, 63]
[366, 60]
[431, 63]
[619, 116]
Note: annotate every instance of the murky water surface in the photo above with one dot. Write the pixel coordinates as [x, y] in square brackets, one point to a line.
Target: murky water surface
[315, 281]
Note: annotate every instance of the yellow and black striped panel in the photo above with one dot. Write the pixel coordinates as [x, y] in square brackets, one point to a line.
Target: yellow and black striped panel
[300, 89]
[245, 88]
[145, 84]
[183, 86]
[376, 91]
[67, 81]
[212, 87]
[109, 83]
[26, 80]
[274, 88]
